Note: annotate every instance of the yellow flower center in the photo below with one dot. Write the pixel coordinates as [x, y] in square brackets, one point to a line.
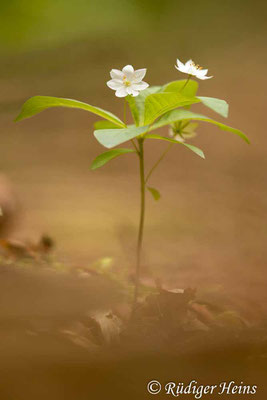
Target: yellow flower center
[195, 65]
[126, 82]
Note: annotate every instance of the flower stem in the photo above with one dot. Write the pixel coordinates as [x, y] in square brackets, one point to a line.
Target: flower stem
[141, 223]
[188, 79]
[159, 160]
[124, 110]
[134, 145]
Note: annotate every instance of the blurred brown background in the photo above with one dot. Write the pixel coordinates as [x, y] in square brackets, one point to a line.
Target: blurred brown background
[210, 223]
[209, 228]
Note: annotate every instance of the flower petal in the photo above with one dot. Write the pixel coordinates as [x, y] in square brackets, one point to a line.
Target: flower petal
[180, 65]
[182, 69]
[140, 86]
[204, 77]
[130, 90]
[202, 72]
[128, 71]
[121, 92]
[115, 84]
[188, 63]
[139, 75]
[116, 74]
[192, 70]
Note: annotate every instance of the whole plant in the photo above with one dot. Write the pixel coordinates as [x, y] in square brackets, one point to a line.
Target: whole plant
[152, 107]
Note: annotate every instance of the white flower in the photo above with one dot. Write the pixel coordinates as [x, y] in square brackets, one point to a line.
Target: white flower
[127, 81]
[191, 68]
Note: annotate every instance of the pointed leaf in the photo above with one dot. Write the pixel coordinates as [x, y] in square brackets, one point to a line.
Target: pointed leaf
[103, 158]
[159, 103]
[113, 137]
[102, 124]
[137, 104]
[217, 105]
[155, 193]
[188, 89]
[180, 115]
[39, 103]
[195, 149]
[159, 137]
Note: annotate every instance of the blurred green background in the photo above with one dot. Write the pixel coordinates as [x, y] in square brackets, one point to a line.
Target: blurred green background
[210, 225]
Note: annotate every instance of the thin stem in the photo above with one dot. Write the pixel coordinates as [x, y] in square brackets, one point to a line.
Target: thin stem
[141, 223]
[158, 161]
[124, 110]
[136, 149]
[188, 79]
[124, 120]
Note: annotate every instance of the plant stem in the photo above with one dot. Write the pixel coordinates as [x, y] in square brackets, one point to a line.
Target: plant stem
[124, 120]
[159, 160]
[124, 110]
[134, 145]
[188, 79]
[141, 223]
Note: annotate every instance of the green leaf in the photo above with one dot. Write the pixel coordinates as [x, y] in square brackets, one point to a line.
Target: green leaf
[39, 103]
[103, 158]
[102, 124]
[217, 105]
[137, 104]
[160, 103]
[195, 149]
[113, 137]
[188, 89]
[134, 110]
[159, 137]
[191, 127]
[155, 193]
[180, 115]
